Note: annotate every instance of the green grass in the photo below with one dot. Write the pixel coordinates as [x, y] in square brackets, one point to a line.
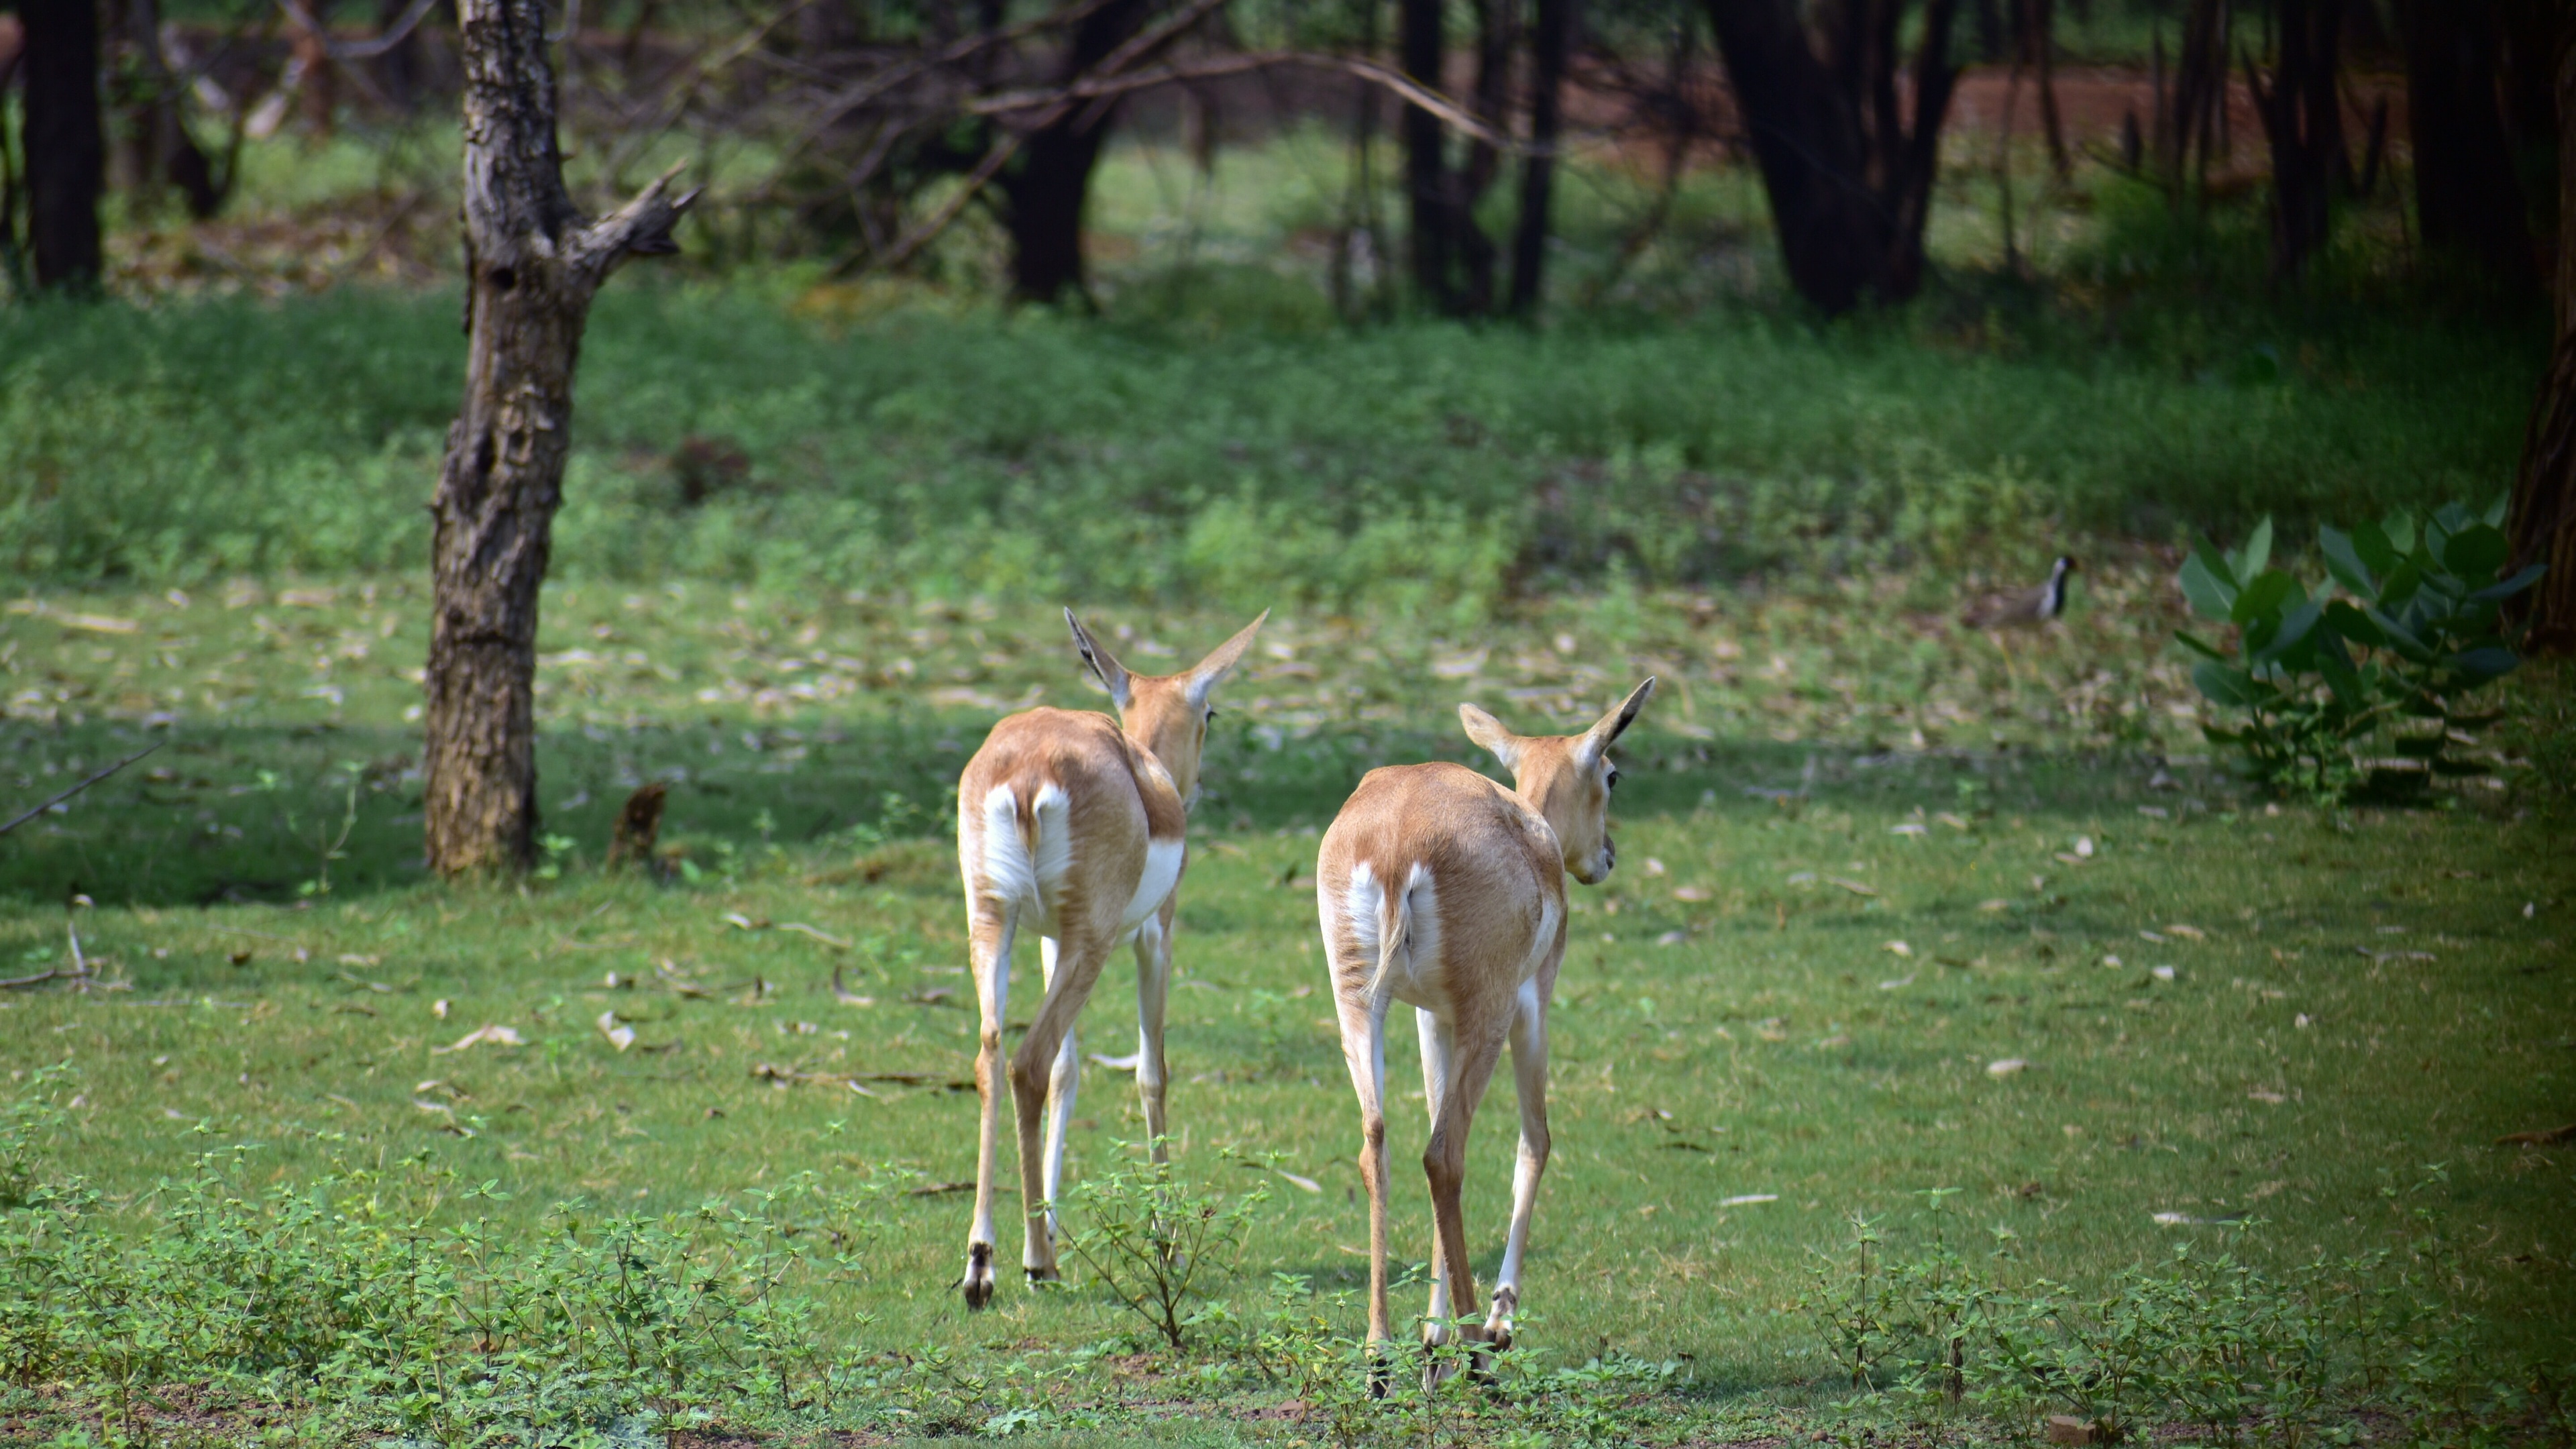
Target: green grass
[1417, 467]
[2365, 994]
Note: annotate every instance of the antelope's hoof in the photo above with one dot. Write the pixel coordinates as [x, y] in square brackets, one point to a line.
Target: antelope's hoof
[977, 1285]
[1498, 1324]
[1043, 1277]
[1381, 1376]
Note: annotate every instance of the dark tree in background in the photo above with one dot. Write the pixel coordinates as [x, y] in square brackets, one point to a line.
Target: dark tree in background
[1044, 193]
[65, 146]
[2467, 199]
[2302, 114]
[2544, 492]
[1849, 173]
[1551, 43]
[534, 263]
[1420, 50]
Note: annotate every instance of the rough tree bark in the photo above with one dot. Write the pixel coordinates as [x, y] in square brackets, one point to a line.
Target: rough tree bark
[533, 264]
[1550, 41]
[2467, 201]
[1850, 182]
[66, 147]
[2303, 122]
[2543, 525]
[1045, 190]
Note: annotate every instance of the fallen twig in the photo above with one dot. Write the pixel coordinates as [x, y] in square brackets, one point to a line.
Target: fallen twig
[83, 785]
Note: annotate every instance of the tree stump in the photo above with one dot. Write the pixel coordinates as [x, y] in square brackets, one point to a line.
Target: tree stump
[638, 826]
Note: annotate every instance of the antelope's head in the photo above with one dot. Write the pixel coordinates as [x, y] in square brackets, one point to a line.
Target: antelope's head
[1566, 778]
[1167, 713]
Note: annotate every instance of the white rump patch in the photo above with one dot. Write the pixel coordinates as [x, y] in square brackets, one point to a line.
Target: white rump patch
[1413, 976]
[1020, 871]
[1162, 872]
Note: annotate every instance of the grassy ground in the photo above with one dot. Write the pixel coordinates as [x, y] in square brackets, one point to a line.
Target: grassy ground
[1827, 929]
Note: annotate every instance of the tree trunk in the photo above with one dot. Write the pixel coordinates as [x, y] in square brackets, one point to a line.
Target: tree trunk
[2544, 491]
[533, 265]
[1850, 184]
[1045, 191]
[2467, 201]
[2303, 122]
[1426, 163]
[2037, 33]
[1497, 38]
[153, 146]
[1550, 44]
[66, 149]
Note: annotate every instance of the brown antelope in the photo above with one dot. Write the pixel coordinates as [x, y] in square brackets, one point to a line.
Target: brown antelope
[1071, 822]
[1441, 889]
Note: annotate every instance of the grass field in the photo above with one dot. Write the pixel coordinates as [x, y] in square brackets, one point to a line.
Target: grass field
[2352, 997]
[1966, 943]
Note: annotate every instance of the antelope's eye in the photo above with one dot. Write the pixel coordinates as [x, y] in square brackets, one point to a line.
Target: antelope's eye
[1611, 782]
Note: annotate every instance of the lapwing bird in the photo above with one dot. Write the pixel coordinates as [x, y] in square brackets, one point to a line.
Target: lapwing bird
[2023, 608]
[2020, 609]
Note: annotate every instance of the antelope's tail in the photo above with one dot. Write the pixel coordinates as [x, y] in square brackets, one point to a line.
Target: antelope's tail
[1394, 933]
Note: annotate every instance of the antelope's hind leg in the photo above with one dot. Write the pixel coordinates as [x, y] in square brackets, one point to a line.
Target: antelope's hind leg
[1033, 1076]
[989, 932]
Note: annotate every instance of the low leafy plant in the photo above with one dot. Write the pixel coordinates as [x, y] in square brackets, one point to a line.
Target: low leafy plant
[2289, 1357]
[386, 1302]
[2369, 688]
[1158, 1241]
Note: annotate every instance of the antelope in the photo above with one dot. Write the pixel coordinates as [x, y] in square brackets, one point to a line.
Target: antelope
[1071, 822]
[1439, 888]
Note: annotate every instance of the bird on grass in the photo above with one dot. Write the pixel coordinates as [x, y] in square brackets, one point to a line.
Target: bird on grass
[2023, 608]
[2020, 608]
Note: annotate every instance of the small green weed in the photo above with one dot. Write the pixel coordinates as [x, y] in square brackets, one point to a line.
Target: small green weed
[2241, 1352]
[1157, 1241]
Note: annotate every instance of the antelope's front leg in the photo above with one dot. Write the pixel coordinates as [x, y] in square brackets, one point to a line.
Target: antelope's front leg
[991, 946]
[1064, 1088]
[1529, 1078]
[1153, 987]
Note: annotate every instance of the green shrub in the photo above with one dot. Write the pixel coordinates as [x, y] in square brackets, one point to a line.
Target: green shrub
[1157, 1241]
[2329, 684]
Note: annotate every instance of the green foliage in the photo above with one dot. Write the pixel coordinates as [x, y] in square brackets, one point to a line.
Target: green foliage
[2242, 1351]
[2323, 679]
[1158, 1241]
[1423, 468]
[384, 1300]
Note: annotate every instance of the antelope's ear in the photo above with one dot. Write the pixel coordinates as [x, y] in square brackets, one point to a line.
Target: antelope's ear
[1488, 732]
[1220, 662]
[1103, 667]
[1597, 740]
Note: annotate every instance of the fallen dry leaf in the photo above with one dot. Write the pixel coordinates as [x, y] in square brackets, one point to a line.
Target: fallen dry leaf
[619, 1035]
[1897, 948]
[494, 1035]
[1691, 893]
[1748, 1199]
[2006, 1067]
[438, 1008]
[1305, 1184]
